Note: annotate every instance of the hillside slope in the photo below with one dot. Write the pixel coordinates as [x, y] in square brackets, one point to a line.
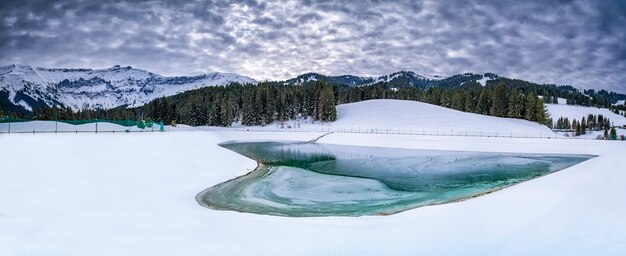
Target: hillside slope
[400, 114]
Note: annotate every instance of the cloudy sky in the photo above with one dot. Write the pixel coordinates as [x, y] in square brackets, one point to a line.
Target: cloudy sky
[582, 43]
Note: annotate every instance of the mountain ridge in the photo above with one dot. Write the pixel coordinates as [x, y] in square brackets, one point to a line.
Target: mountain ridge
[23, 87]
[28, 87]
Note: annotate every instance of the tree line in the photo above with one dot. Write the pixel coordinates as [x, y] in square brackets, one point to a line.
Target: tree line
[585, 124]
[259, 104]
[497, 100]
[268, 102]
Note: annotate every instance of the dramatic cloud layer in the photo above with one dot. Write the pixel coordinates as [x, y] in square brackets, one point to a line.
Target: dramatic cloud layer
[582, 43]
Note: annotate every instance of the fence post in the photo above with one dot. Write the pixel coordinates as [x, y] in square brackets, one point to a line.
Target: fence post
[9, 127]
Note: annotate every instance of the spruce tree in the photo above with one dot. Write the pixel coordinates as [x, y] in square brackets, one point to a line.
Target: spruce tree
[327, 111]
[543, 115]
[583, 126]
[516, 104]
[259, 107]
[499, 102]
[247, 108]
[469, 104]
[530, 110]
[484, 102]
[457, 101]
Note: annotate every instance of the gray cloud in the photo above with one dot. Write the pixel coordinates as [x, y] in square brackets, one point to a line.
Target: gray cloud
[565, 42]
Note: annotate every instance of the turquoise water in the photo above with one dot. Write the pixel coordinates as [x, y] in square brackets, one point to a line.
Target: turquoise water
[312, 179]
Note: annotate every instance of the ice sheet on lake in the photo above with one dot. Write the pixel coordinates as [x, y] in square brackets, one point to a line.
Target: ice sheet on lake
[311, 179]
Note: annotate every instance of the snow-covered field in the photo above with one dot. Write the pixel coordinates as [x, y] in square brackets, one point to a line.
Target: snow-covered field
[134, 194]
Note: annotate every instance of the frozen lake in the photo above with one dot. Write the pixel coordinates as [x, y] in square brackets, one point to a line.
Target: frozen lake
[311, 179]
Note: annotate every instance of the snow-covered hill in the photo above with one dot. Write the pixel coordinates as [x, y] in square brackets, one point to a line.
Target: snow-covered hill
[401, 114]
[29, 87]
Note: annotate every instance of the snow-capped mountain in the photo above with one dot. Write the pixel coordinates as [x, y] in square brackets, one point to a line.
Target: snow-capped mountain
[408, 77]
[28, 87]
[397, 79]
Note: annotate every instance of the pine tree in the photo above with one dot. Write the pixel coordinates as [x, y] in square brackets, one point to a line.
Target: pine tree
[226, 108]
[583, 126]
[457, 101]
[259, 107]
[469, 103]
[530, 111]
[499, 102]
[543, 115]
[247, 108]
[516, 104]
[327, 111]
[484, 102]
[606, 134]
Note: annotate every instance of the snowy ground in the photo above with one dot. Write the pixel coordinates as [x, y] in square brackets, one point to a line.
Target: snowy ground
[134, 194]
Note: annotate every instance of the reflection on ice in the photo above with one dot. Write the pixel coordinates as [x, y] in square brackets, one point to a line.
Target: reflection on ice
[310, 179]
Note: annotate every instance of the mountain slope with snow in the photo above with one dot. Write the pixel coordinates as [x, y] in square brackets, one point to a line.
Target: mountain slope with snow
[397, 79]
[27, 87]
[406, 78]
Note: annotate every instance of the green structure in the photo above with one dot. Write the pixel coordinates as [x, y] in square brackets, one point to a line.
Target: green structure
[141, 125]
